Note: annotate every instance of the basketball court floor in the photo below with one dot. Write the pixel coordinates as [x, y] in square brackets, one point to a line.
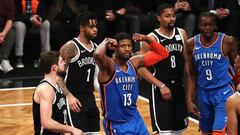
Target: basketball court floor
[16, 90]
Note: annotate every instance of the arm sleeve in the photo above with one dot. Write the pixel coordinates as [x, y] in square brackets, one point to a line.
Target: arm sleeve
[157, 54]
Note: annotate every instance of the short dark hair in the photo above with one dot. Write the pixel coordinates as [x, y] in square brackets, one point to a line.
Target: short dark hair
[122, 35]
[162, 7]
[47, 59]
[208, 14]
[85, 16]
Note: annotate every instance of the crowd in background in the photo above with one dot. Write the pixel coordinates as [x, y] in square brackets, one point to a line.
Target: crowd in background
[34, 26]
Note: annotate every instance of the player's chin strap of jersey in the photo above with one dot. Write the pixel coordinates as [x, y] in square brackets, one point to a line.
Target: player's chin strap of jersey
[157, 54]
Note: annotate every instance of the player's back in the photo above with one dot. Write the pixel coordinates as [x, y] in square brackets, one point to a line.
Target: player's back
[59, 111]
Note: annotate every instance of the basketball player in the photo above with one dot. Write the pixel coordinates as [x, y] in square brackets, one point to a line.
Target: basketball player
[119, 83]
[211, 56]
[80, 76]
[169, 99]
[233, 113]
[49, 102]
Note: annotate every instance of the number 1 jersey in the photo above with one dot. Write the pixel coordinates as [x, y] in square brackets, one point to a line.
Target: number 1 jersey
[81, 69]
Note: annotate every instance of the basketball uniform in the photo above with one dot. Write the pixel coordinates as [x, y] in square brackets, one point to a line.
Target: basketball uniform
[59, 111]
[238, 117]
[170, 72]
[118, 102]
[79, 80]
[214, 81]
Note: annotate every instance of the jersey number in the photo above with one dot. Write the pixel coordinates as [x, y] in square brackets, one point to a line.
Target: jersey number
[88, 76]
[127, 99]
[173, 61]
[209, 74]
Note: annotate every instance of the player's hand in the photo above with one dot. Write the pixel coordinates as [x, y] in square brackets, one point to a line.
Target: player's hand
[74, 103]
[36, 20]
[77, 132]
[139, 37]
[166, 93]
[192, 108]
[110, 43]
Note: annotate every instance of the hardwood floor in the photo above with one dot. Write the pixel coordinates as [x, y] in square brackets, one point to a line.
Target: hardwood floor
[16, 113]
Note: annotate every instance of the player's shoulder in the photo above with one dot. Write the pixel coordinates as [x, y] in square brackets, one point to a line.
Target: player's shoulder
[229, 39]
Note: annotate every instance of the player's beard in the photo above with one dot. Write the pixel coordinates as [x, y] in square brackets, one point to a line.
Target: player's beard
[170, 27]
[61, 73]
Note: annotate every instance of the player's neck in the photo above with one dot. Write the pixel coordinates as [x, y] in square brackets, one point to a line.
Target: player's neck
[208, 40]
[83, 39]
[121, 63]
[52, 78]
[165, 31]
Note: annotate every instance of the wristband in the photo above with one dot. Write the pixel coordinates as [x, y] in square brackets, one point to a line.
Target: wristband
[162, 85]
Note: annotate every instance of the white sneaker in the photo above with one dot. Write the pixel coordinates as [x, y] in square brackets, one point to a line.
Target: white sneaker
[19, 63]
[6, 66]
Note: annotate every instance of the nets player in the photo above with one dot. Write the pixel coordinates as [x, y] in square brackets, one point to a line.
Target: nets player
[210, 55]
[80, 76]
[119, 84]
[49, 102]
[169, 99]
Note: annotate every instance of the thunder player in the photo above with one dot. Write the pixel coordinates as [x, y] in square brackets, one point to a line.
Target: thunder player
[49, 102]
[210, 55]
[119, 83]
[169, 99]
[80, 76]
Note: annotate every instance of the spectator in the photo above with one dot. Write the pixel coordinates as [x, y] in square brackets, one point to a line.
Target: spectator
[6, 33]
[63, 16]
[29, 15]
[228, 13]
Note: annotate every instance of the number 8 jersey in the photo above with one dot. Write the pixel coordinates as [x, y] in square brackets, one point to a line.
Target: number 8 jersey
[173, 66]
[81, 69]
[213, 67]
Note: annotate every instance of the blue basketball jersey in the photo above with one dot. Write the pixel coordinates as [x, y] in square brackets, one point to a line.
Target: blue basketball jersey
[212, 66]
[119, 95]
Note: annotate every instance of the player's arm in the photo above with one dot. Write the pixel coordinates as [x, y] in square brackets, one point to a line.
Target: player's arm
[68, 52]
[46, 96]
[157, 53]
[231, 108]
[105, 64]
[191, 77]
[148, 76]
[230, 47]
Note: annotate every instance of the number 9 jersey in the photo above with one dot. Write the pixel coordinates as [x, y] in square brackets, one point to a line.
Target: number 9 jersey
[213, 67]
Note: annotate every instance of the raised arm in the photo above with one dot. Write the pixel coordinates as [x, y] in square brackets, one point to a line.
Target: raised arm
[46, 96]
[68, 52]
[156, 54]
[105, 64]
[191, 78]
